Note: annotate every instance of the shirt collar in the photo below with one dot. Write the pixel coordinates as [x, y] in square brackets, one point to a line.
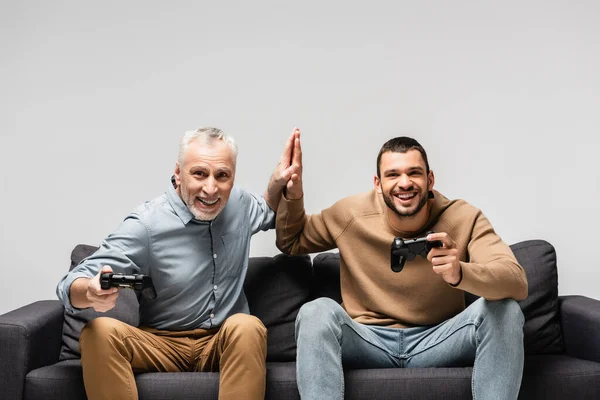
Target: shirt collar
[184, 214]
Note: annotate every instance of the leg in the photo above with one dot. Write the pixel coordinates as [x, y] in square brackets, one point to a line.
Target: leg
[111, 350]
[326, 335]
[488, 333]
[239, 351]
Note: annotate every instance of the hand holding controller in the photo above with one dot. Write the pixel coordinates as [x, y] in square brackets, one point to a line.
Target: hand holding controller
[403, 250]
[138, 282]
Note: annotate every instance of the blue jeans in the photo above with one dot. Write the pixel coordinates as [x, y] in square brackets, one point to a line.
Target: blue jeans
[487, 335]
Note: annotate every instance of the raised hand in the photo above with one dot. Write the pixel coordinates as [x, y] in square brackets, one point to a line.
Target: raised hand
[287, 173]
[294, 184]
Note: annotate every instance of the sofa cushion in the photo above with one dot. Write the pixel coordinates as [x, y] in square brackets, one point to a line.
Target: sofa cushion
[275, 287]
[542, 333]
[126, 310]
[540, 308]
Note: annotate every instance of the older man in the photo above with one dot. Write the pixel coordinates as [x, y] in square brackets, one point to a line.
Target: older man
[194, 243]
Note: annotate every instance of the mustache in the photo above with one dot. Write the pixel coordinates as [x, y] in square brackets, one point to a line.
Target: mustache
[411, 188]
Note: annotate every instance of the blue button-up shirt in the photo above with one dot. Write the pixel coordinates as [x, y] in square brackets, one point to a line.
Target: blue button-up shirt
[198, 268]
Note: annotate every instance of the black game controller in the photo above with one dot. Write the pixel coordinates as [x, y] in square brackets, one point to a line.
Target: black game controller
[139, 283]
[403, 250]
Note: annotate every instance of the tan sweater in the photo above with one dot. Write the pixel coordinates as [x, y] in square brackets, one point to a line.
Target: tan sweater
[371, 292]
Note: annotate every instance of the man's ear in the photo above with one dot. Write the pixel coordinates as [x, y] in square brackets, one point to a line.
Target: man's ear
[430, 180]
[177, 173]
[377, 184]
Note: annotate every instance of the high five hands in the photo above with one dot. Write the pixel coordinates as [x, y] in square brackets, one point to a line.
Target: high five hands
[288, 173]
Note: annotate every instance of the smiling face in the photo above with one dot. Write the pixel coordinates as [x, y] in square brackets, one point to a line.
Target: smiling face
[404, 182]
[205, 178]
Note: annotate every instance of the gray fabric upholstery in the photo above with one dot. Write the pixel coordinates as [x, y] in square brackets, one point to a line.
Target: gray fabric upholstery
[410, 383]
[29, 339]
[580, 320]
[540, 308]
[559, 377]
[276, 287]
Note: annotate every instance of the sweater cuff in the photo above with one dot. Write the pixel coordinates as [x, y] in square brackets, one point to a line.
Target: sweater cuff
[461, 277]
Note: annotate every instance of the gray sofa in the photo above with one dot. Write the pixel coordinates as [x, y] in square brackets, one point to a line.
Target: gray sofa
[39, 354]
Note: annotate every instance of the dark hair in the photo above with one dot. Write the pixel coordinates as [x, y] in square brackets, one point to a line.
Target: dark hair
[401, 144]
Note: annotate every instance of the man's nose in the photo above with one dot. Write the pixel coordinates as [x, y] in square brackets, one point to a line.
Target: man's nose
[404, 181]
[211, 186]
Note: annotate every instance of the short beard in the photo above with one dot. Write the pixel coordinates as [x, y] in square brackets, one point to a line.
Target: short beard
[189, 201]
[387, 198]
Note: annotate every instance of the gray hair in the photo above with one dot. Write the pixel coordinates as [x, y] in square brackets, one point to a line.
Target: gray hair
[205, 136]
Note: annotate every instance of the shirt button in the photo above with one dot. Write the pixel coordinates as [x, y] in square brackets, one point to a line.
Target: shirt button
[212, 316]
[215, 255]
[215, 287]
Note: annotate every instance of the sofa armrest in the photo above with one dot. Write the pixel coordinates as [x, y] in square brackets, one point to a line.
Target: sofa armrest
[30, 338]
[580, 322]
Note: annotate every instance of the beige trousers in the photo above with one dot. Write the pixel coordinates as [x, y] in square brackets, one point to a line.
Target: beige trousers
[111, 351]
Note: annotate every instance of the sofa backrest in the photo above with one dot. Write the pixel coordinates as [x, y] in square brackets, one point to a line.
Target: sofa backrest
[542, 332]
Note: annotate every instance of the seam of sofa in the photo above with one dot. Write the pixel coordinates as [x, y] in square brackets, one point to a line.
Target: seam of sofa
[562, 375]
[532, 243]
[21, 327]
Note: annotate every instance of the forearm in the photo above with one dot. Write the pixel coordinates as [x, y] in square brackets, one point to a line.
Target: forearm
[298, 233]
[491, 270]
[273, 194]
[495, 280]
[77, 293]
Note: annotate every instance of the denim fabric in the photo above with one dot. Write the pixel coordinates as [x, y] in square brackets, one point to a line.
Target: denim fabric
[487, 334]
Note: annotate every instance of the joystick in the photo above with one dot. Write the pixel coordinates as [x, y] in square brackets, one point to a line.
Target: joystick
[403, 250]
[138, 282]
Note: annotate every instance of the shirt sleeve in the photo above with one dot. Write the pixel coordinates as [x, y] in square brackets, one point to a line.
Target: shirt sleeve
[126, 251]
[261, 216]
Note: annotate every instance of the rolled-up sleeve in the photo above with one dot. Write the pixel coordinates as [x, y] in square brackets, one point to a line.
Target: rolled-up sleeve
[126, 250]
[261, 216]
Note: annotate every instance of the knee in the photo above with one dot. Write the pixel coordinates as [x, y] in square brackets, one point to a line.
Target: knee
[505, 313]
[97, 333]
[318, 315]
[323, 307]
[100, 328]
[245, 326]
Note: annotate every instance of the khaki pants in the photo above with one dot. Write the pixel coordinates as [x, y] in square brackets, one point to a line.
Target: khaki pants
[111, 351]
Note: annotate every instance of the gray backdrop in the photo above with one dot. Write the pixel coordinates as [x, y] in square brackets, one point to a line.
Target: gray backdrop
[94, 96]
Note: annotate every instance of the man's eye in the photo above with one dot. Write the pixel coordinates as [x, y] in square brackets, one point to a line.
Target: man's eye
[199, 173]
[223, 176]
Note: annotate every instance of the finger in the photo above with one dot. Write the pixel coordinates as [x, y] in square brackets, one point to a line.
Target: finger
[97, 293]
[286, 156]
[442, 269]
[106, 268]
[297, 154]
[442, 237]
[289, 172]
[441, 260]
